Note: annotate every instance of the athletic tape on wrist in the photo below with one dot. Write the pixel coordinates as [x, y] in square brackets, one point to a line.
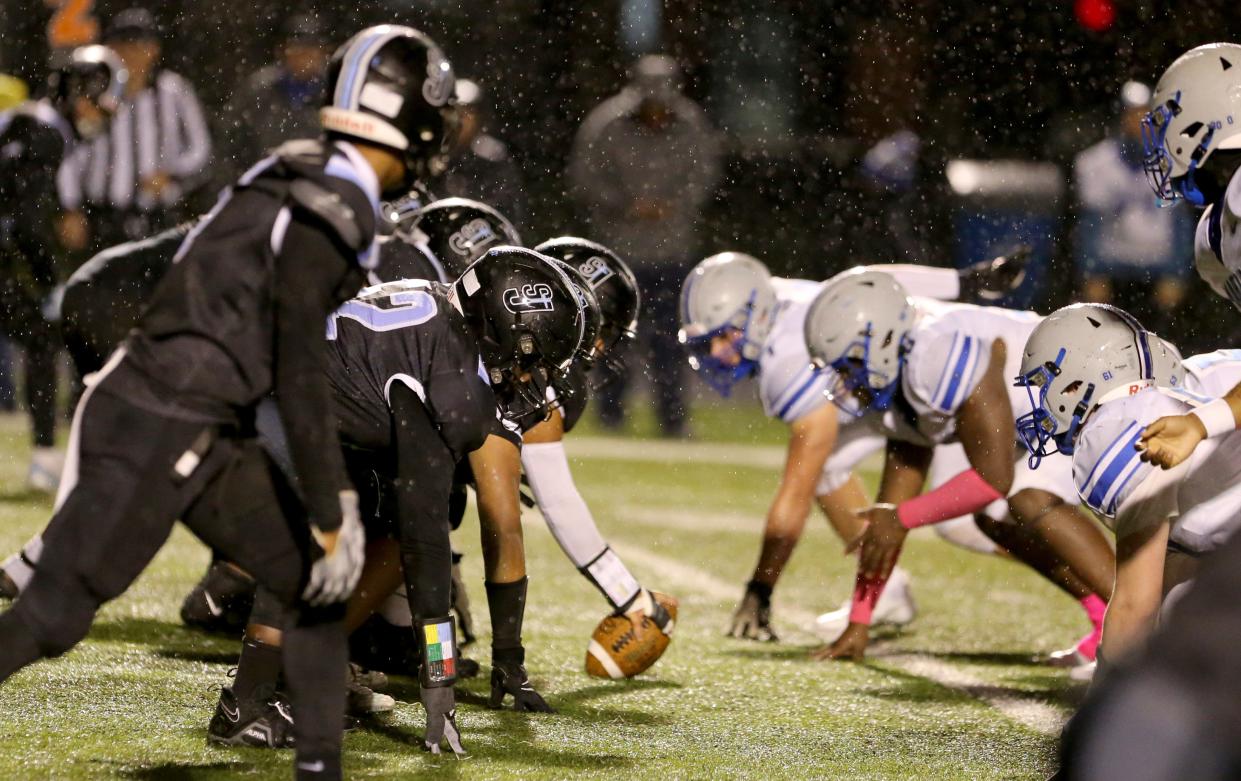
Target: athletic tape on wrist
[438, 637]
[613, 578]
[1216, 417]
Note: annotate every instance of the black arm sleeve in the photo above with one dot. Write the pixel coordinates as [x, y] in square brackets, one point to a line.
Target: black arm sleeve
[308, 271]
[41, 206]
[424, 479]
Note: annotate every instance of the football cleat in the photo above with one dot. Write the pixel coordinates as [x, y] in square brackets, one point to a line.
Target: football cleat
[260, 723]
[363, 701]
[895, 607]
[1083, 652]
[219, 603]
[1083, 673]
[371, 679]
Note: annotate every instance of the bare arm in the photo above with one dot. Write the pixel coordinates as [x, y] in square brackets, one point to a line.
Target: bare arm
[811, 440]
[985, 425]
[1138, 591]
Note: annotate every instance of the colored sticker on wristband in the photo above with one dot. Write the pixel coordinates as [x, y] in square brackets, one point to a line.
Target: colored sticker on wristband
[439, 661]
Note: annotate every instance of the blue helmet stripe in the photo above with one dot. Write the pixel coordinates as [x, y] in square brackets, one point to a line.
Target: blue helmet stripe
[353, 74]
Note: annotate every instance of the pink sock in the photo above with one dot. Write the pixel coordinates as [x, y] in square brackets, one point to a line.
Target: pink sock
[1095, 608]
[1088, 646]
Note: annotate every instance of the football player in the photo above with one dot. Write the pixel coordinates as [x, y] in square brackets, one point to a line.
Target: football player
[413, 368]
[165, 431]
[925, 373]
[1094, 379]
[35, 137]
[738, 322]
[544, 462]
[1193, 152]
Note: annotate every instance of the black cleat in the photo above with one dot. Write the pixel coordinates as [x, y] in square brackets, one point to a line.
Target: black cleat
[259, 723]
[219, 603]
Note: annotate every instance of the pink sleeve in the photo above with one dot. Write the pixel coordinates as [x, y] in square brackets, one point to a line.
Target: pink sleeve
[965, 494]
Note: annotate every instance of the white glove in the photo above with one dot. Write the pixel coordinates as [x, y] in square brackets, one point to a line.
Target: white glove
[333, 575]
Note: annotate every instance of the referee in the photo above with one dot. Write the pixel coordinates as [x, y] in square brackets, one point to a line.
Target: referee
[136, 180]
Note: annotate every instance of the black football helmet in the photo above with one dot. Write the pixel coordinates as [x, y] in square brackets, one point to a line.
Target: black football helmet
[530, 324]
[391, 85]
[93, 72]
[459, 231]
[614, 286]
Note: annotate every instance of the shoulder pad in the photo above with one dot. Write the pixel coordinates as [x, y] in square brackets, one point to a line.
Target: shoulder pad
[943, 369]
[330, 208]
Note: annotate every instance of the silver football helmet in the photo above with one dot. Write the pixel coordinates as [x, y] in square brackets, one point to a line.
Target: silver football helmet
[1082, 356]
[859, 327]
[727, 292]
[1192, 114]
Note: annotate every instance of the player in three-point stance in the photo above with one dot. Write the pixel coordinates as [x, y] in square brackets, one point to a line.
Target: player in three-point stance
[926, 373]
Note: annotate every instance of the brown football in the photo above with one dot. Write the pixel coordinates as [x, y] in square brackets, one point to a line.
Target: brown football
[624, 646]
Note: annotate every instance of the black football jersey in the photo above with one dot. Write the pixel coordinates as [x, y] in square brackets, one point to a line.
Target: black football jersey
[407, 332]
[205, 342]
[575, 398]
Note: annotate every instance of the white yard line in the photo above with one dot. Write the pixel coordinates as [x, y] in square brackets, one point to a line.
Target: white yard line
[759, 456]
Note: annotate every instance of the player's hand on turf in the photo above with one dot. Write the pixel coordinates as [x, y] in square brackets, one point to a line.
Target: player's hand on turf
[508, 676]
[851, 645]
[1170, 440]
[336, 572]
[441, 706]
[752, 619]
[880, 541]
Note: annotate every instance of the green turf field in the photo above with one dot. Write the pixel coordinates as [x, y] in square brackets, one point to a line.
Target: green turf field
[955, 696]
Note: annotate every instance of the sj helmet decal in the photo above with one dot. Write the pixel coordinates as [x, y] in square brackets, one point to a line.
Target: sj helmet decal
[474, 235]
[438, 87]
[529, 298]
[597, 271]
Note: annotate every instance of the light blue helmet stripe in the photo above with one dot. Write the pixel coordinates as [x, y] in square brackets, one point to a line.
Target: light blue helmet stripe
[353, 73]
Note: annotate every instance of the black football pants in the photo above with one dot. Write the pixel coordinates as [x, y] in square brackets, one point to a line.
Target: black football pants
[21, 319]
[131, 475]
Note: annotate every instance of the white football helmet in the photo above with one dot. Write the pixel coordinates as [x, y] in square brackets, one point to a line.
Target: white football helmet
[859, 326]
[730, 290]
[1196, 109]
[1082, 356]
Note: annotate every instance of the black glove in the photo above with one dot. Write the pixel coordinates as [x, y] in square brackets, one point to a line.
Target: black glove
[988, 281]
[508, 676]
[752, 619]
[441, 707]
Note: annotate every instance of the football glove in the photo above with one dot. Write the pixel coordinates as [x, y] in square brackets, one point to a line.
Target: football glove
[336, 572]
[508, 676]
[441, 706]
[987, 281]
[752, 619]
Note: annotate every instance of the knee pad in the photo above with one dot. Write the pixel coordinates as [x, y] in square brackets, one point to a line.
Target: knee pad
[58, 614]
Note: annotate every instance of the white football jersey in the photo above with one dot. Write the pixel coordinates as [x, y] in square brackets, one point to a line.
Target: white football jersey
[1206, 503]
[950, 353]
[1217, 244]
[787, 386]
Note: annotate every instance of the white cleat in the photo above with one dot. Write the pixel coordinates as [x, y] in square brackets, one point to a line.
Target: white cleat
[46, 464]
[895, 608]
[363, 701]
[1083, 673]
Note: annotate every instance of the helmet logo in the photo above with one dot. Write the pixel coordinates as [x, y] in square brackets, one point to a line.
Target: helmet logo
[439, 84]
[597, 271]
[475, 234]
[530, 298]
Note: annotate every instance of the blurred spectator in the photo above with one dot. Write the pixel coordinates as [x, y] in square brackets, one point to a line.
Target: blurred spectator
[1128, 251]
[280, 101]
[135, 180]
[643, 165]
[481, 167]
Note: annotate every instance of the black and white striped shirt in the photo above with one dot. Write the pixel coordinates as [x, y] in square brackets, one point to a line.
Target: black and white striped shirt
[162, 129]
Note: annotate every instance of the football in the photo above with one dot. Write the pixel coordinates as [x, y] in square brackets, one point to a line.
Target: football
[623, 646]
